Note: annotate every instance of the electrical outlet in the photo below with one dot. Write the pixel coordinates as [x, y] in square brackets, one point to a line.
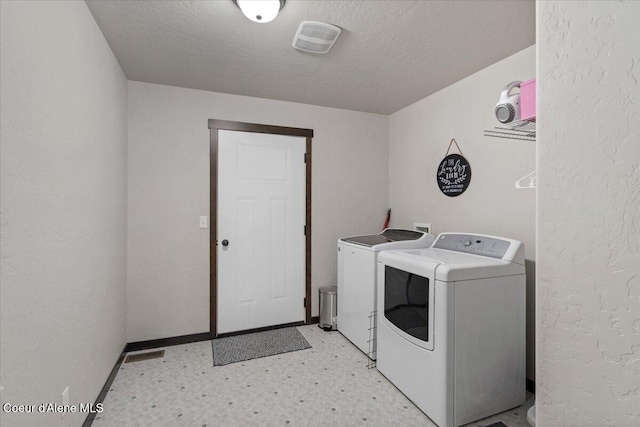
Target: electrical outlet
[65, 400]
[203, 222]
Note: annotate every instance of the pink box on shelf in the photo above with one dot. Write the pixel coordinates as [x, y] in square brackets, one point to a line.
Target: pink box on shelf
[528, 99]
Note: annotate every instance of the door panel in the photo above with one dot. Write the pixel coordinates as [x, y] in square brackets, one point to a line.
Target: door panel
[245, 260]
[261, 212]
[262, 163]
[278, 252]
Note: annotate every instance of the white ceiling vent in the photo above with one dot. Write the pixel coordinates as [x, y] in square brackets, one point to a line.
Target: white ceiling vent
[316, 37]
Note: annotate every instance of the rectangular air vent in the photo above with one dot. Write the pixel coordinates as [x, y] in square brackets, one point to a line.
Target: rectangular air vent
[315, 37]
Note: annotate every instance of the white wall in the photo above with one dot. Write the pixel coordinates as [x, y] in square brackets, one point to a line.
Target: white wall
[63, 204]
[589, 214]
[168, 268]
[418, 138]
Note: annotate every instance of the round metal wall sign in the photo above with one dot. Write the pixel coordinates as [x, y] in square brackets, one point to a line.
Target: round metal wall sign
[454, 175]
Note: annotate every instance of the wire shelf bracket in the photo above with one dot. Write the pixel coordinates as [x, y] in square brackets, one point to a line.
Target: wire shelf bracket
[527, 181]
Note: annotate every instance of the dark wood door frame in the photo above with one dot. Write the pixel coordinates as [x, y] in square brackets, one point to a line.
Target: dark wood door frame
[214, 127]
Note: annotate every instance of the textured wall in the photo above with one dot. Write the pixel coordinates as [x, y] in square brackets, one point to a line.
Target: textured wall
[588, 302]
[418, 139]
[168, 268]
[63, 205]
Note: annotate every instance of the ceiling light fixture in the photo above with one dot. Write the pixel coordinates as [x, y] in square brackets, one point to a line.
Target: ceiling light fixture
[261, 11]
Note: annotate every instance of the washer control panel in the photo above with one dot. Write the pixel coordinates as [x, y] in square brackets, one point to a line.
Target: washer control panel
[473, 244]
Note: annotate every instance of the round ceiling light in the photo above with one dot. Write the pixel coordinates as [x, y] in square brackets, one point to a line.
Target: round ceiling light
[261, 11]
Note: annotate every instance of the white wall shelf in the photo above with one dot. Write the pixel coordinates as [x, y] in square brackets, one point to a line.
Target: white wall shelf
[524, 130]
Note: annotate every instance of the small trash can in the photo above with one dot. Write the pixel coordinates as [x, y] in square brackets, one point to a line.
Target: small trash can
[328, 308]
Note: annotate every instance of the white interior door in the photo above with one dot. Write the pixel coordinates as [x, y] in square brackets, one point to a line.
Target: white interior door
[261, 215]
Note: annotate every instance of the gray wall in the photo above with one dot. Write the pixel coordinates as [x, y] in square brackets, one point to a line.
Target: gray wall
[589, 214]
[168, 261]
[418, 138]
[63, 204]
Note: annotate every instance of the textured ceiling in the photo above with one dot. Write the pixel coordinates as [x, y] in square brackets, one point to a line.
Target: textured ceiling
[389, 55]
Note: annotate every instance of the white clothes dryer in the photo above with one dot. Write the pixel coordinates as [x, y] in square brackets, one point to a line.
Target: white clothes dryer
[451, 326]
[357, 258]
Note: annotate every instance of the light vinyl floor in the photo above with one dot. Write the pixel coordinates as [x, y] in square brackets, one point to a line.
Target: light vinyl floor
[326, 385]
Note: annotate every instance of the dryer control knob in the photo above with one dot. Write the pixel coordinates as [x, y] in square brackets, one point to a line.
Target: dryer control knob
[467, 242]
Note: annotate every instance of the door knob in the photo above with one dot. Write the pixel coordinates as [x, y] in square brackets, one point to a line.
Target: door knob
[225, 242]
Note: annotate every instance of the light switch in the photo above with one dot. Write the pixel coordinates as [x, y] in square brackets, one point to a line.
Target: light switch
[203, 222]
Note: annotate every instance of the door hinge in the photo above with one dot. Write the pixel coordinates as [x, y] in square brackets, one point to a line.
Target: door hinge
[305, 157]
[305, 230]
[304, 303]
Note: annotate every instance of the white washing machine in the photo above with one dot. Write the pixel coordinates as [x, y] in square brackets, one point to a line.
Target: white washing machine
[357, 258]
[451, 326]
